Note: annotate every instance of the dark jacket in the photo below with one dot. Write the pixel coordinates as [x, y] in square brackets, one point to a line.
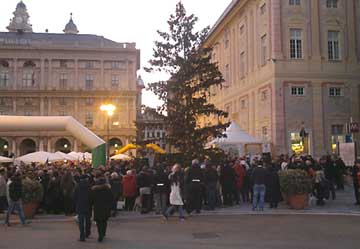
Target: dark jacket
[116, 187]
[273, 192]
[144, 179]
[259, 175]
[194, 175]
[101, 199]
[15, 189]
[210, 176]
[82, 197]
[161, 182]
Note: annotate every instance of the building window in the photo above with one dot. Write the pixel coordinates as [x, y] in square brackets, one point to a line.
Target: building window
[243, 104]
[28, 101]
[264, 132]
[297, 91]
[335, 91]
[294, 2]
[263, 95]
[89, 64]
[28, 79]
[28, 113]
[62, 101]
[263, 50]
[242, 64]
[331, 3]
[226, 39]
[295, 43]
[242, 29]
[89, 120]
[333, 45]
[115, 80]
[4, 79]
[227, 74]
[63, 80]
[2, 101]
[63, 63]
[115, 64]
[337, 135]
[89, 101]
[89, 81]
[263, 9]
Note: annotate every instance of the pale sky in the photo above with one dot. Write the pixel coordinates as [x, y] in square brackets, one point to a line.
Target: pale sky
[118, 20]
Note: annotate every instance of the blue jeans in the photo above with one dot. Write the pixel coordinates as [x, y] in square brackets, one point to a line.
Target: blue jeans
[172, 209]
[84, 225]
[259, 196]
[15, 205]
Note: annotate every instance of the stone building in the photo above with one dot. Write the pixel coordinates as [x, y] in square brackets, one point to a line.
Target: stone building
[290, 66]
[47, 74]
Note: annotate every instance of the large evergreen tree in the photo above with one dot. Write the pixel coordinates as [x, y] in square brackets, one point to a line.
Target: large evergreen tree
[186, 94]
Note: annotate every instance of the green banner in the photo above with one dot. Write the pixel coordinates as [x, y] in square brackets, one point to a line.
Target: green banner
[99, 156]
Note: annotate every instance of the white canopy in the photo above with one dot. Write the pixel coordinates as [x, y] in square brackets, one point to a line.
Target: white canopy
[66, 156]
[80, 156]
[121, 157]
[39, 157]
[236, 136]
[5, 159]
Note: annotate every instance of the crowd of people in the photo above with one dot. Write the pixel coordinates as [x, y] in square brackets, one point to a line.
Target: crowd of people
[85, 191]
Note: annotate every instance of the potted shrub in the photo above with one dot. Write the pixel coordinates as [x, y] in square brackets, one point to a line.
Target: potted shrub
[32, 195]
[296, 185]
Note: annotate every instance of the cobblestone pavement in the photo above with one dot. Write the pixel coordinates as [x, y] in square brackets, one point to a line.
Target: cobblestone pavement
[200, 232]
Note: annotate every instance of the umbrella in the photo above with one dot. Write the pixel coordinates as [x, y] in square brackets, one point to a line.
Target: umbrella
[39, 157]
[121, 157]
[5, 159]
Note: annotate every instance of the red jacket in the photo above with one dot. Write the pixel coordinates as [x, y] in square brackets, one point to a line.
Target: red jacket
[240, 173]
[129, 186]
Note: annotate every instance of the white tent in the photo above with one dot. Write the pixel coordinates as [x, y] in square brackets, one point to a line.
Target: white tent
[66, 156]
[236, 138]
[39, 157]
[121, 157]
[5, 159]
[79, 156]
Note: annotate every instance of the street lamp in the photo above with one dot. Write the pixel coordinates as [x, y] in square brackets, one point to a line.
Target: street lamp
[109, 109]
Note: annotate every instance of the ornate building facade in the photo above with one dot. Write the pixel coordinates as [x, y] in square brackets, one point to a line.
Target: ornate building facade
[47, 74]
[292, 70]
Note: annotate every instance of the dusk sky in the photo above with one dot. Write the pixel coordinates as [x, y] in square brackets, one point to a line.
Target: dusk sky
[118, 20]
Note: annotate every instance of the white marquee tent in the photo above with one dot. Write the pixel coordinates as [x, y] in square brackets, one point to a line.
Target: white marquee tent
[236, 139]
[39, 157]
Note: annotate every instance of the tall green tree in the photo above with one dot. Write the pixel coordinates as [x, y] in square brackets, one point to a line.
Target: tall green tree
[180, 53]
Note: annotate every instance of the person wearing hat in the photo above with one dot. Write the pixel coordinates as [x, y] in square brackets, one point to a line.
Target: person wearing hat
[83, 206]
[356, 181]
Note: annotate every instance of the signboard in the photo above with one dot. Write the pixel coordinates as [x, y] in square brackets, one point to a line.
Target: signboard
[354, 127]
[266, 148]
[347, 153]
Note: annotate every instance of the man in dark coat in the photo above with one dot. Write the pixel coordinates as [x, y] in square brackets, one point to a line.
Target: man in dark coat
[145, 182]
[228, 183]
[211, 180]
[193, 179]
[83, 206]
[161, 190]
[101, 199]
[273, 193]
[258, 179]
[116, 189]
[330, 175]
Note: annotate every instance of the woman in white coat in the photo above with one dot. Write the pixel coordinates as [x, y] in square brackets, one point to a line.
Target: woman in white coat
[176, 201]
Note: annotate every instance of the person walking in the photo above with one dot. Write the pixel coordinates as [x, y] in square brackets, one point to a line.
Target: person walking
[194, 178]
[176, 200]
[116, 189]
[259, 189]
[211, 181]
[129, 190]
[83, 206]
[101, 199]
[161, 187]
[14, 199]
[3, 200]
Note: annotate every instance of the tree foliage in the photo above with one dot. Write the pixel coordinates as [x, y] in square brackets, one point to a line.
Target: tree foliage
[180, 53]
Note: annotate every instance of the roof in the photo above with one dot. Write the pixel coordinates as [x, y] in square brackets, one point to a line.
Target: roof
[228, 9]
[41, 40]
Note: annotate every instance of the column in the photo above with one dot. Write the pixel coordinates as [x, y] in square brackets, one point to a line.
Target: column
[50, 83]
[76, 83]
[315, 30]
[103, 85]
[15, 74]
[75, 146]
[318, 144]
[42, 112]
[48, 144]
[127, 75]
[49, 106]
[350, 32]
[13, 146]
[275, 31]
[41, 144]
[42, 74]
[14, 105]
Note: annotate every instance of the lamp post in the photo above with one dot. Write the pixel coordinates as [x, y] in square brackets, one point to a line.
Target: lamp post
[109, 109]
